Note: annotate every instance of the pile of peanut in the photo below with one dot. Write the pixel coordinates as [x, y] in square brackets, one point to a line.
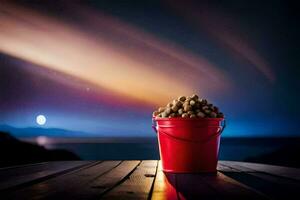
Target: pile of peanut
[189, 107]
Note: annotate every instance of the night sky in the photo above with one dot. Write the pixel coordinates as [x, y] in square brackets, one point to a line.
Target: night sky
[102, 67]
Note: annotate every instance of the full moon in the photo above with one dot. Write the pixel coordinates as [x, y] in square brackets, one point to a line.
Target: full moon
[40, 119]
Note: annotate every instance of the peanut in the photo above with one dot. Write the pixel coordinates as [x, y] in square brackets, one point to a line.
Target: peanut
[161, 109]
[168, 111]
[169, 105]
[220, 115]
[182, 98]
[174, 108]
[192, 116]
[195, 97]
[207, 112]
[192, 102]
[190, 112]
[155, 113]
[188, 99]
[211, 107]
[164, 115]
[200, 114]
[178, 104]
[180, 111]
[216, 109]
[189, 107]
[185, 115]
[213, 115]
[203, 101]
[197, 105]
[172, 115]
[205, 108]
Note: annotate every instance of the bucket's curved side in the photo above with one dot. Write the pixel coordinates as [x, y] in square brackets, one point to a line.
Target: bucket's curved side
[187, 129]
[186, 157]
[183, 156]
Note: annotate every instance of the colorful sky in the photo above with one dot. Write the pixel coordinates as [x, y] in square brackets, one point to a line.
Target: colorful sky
[101, 67]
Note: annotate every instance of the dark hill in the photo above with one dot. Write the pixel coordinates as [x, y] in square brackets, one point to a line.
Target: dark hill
[15, 152]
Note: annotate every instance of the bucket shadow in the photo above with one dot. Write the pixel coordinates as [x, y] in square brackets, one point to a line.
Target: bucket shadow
[216, 186]
[275, 187]
[190, 186]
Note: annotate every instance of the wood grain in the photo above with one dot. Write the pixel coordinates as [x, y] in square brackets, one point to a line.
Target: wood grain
[105, 183]
[146, 180]
[287, 172]
[163, 189]
[275, 187]
[223, 168]
[228, 188]
[18, 176]
[192, 186]
[137, 185]
[63, 186]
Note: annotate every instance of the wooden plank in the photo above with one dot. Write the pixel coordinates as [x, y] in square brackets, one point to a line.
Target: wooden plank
[287, 172]
[228, 188]
[224, 168]
[274, 187]
[17, 176]
[136, 180]
[137, 185]
[12, 172]
[22, 165]
[192, 186]
[213, 186]
[164, 187]
[262, 175]
[201, 186]
[233, 165]
[63, 187]
[275, 179]
[102, 184]
[277, 187]
[258, 176]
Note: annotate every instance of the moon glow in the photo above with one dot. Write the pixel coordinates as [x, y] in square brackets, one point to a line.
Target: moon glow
[41, 120]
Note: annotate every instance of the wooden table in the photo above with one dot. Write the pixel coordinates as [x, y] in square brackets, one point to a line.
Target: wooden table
[145, 180]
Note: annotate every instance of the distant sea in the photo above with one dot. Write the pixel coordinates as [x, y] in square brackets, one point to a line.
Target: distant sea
[237, 149]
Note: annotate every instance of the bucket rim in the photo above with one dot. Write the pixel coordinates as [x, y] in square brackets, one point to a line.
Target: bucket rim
[188, 119]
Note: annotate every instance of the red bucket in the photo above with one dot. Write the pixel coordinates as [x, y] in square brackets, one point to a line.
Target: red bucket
[189, 145]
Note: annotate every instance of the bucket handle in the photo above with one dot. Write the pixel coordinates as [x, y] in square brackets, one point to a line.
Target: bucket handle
[223, 125]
